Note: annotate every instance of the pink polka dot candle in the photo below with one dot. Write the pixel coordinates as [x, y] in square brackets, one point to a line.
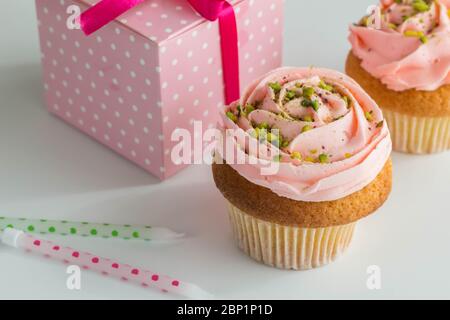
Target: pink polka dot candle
[107, 267]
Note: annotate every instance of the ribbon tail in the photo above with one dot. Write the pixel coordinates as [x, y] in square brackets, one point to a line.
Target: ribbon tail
[103, 13]
[230, 53]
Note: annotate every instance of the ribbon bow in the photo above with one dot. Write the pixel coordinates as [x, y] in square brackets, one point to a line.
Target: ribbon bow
[106, 11]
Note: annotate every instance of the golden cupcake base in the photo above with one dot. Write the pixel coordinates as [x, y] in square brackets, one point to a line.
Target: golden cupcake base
[288, 247]
[419, 135]
[419, 121]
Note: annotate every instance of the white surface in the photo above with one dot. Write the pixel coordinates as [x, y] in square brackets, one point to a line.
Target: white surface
[48, 169]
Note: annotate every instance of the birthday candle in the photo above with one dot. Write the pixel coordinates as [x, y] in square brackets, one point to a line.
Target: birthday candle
[88, 229]
[107, 267]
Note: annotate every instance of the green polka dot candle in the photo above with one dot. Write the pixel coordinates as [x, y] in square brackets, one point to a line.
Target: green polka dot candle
[89, 229]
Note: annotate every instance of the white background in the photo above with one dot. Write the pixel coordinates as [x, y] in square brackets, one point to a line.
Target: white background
[48, 169]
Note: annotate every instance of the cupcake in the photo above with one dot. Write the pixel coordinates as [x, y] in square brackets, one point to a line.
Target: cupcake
[302, 157]
[401, 56]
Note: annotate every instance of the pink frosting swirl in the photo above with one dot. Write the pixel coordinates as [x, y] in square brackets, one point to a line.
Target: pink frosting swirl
[411, 47]
[332, 138]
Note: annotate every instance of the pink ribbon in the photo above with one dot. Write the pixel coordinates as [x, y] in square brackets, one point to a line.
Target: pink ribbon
[106, 11]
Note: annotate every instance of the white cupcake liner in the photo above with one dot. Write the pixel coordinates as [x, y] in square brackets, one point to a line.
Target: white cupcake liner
[287, 247]
[419, 135]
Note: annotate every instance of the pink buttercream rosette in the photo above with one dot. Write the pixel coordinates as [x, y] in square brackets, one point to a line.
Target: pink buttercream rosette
[330, 148]
[410, 49]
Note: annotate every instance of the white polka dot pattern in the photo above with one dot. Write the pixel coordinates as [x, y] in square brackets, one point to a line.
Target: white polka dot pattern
[130, 89]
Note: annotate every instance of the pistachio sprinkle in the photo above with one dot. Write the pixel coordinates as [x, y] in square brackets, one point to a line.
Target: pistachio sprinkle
[284, 143]
[308, 92]
[347, 100]
[290, 94]
[420, 6]
[325, 86]
[310, 103]
[232, 116]
[392, 26]
[324, 158]
[310, 159]
[296, 155]
[248, 109]
[369, 115]
[307, 128]
[416, 34]
[276, 87]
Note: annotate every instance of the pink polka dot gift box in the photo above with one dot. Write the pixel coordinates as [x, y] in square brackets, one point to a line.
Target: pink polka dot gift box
[158, 66]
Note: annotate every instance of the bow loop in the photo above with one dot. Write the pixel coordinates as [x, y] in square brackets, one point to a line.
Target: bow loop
[209, 9]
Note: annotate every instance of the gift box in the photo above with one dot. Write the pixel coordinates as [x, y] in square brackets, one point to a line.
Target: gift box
[156, 68]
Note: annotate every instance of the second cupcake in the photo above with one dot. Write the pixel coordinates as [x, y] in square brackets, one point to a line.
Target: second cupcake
[401, 57]
[304, 155]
